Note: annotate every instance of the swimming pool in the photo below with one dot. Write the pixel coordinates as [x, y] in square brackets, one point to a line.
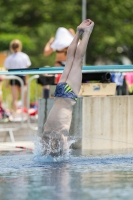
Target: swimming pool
[83, 175]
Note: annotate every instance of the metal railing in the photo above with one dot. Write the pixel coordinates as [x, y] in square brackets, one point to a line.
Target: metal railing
[28, 102]
[57, 70]
[10, 130]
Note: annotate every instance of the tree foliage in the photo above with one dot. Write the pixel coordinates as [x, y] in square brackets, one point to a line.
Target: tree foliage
[113, 28]
[34, 22]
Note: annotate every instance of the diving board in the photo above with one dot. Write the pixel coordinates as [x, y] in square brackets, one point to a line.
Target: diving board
[58, 70]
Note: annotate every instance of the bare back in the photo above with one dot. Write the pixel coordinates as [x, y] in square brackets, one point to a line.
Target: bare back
[59, 118]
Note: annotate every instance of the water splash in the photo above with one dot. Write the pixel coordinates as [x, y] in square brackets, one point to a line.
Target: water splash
[40, 148]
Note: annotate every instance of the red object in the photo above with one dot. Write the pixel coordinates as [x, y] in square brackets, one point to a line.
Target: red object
[57, 78]
[21, 147]
[33, 111]
[25, 110]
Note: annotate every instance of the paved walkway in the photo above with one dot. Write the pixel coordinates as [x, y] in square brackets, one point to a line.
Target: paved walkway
[16, 146]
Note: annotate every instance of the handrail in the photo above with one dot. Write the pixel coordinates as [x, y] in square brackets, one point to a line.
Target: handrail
[11, 129]
[55, 70]
[28, 101]
[22, 98]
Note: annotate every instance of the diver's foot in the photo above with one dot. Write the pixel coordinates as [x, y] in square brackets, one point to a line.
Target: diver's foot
[84, 24]
[89, 28]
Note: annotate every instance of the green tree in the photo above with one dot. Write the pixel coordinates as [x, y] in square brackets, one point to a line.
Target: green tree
[38, 20]
[34, 22]
[113, 29]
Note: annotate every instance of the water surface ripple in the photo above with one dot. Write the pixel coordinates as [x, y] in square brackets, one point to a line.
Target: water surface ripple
[25, 176]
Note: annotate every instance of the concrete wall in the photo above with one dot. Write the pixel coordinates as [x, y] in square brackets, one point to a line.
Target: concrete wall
[101, 122]
[107, 123]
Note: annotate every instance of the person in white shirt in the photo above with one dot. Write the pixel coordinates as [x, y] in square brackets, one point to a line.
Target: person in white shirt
[17, 60]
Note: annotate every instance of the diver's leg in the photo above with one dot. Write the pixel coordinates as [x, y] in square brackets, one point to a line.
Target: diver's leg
[72, 50]
[75, 75]
[70, 57]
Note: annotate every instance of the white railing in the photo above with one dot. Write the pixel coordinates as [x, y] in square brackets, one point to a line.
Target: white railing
[10, 130]
[57, 70]
[28, 102]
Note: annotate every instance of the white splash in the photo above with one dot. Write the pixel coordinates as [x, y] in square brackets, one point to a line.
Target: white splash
[40, 148]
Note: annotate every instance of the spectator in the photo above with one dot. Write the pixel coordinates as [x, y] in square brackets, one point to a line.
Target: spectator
[60, 44]
[17, 60]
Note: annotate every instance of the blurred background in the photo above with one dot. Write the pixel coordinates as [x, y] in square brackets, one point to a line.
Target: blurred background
[34, 22]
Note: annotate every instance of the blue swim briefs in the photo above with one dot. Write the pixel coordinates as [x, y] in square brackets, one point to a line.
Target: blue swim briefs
[65, 91]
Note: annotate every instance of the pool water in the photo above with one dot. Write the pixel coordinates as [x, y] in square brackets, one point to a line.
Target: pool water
[80, 175]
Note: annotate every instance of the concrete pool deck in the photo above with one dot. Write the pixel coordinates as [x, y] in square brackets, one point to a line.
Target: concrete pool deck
[24, 137]
[16, 146]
